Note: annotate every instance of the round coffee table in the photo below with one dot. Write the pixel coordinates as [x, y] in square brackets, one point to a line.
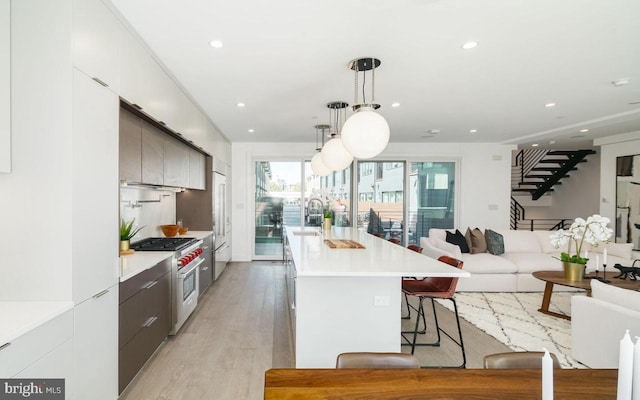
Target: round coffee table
[557, 278]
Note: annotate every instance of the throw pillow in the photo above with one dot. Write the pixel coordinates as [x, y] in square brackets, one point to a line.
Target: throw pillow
[476, 241]
[458, 239]
[495, 242]
[623, 297]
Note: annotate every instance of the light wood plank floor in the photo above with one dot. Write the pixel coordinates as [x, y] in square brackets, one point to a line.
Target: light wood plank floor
[241, 329]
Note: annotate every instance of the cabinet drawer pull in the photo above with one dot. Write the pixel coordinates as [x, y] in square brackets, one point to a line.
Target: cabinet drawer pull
[4, 346]
[150, 285]
[204, 269]
[100, 82]
[101, 293]
[149, 322]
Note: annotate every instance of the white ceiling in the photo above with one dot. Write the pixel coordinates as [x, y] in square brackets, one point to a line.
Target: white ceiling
[286, 59]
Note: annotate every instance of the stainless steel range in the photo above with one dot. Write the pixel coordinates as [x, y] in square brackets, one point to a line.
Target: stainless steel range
[184, 273]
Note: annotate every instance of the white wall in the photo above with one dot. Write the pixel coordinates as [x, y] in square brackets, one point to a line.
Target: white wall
[612, 147]
[35, 198]
[483, 187]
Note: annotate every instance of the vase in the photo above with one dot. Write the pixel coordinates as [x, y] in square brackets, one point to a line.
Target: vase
[326, 225]
[124, 245]
[573, 271]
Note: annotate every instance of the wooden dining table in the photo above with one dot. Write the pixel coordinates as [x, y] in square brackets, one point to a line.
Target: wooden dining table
[442, 384]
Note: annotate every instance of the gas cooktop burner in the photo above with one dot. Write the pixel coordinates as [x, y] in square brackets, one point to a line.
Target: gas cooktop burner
[162, 244]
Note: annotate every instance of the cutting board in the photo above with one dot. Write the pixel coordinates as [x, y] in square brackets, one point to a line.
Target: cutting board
[343, 244]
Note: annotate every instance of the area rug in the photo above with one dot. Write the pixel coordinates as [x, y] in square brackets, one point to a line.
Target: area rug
[514, 319]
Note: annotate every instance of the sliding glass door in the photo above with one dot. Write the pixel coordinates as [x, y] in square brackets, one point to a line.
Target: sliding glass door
[380, 204]
[431, 202]
[402, 200]
[288, 193]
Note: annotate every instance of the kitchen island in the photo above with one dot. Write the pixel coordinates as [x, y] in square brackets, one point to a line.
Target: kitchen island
[348, 299]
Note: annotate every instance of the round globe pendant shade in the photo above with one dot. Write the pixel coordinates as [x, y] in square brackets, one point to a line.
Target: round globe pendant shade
[365, 134]
[318, 167]
[335, 156]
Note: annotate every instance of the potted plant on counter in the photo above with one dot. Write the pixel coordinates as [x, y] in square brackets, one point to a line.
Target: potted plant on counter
[328, 216]
[126, 233]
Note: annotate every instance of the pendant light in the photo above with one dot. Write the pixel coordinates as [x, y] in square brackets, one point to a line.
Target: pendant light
[334, 154]
[317, 165]
[366, 133]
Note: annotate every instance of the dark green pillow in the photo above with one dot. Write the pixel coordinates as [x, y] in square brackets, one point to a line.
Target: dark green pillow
[458, 239]
[495, 242]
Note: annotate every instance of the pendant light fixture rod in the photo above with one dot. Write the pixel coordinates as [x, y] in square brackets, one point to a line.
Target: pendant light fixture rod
[373, 82]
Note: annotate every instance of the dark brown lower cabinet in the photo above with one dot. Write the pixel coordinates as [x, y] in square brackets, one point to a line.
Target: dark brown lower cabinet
[145, 319]
[206, 268]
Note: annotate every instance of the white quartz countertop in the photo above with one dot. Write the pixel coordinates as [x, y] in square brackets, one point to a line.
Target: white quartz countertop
[197, 234]
[312, 257]
[19, 317]
[139, 261]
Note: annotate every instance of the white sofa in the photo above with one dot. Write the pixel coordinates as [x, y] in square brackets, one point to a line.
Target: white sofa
[525, 253]
[599, 322]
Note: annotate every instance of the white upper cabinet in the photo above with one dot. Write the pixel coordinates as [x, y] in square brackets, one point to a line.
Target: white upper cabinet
[95, 42]
[135, 62]
[95, 224]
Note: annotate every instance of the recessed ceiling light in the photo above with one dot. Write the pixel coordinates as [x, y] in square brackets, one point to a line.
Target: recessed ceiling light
[584, 130]
[550, 105]
[433, 131]
[216, 44]
[552, 142]
[621, 82]
[395, 104]
[240, 105]
[469, 45]
[251, 131]
[534, 145]
[473, 131]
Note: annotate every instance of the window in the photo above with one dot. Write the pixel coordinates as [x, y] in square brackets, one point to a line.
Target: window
[379, 170]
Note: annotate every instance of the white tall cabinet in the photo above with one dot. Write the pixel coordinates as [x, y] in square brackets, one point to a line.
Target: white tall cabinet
[95, 256]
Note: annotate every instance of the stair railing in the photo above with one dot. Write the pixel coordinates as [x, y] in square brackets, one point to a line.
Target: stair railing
[528, 159]
[517, 213]
[518, 221]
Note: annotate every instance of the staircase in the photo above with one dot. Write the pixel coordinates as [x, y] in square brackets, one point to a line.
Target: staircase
[540, 170]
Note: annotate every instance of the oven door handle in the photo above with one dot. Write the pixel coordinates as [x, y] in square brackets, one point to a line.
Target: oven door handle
[182, 274]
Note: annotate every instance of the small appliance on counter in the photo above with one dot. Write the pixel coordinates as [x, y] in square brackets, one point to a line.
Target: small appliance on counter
[184, 273]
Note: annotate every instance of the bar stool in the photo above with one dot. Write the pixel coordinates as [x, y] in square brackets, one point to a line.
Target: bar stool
[434, 288]
[394, 240]
[417, 249]
[376, 360]
[518, 359]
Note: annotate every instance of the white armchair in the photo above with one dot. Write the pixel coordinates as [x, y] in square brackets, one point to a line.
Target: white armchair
[599, 322]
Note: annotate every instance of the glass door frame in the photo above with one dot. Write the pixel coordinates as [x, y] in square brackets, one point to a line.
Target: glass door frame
[252, 210]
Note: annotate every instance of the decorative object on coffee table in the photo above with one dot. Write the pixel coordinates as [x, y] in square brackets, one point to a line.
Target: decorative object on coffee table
[593, 230]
